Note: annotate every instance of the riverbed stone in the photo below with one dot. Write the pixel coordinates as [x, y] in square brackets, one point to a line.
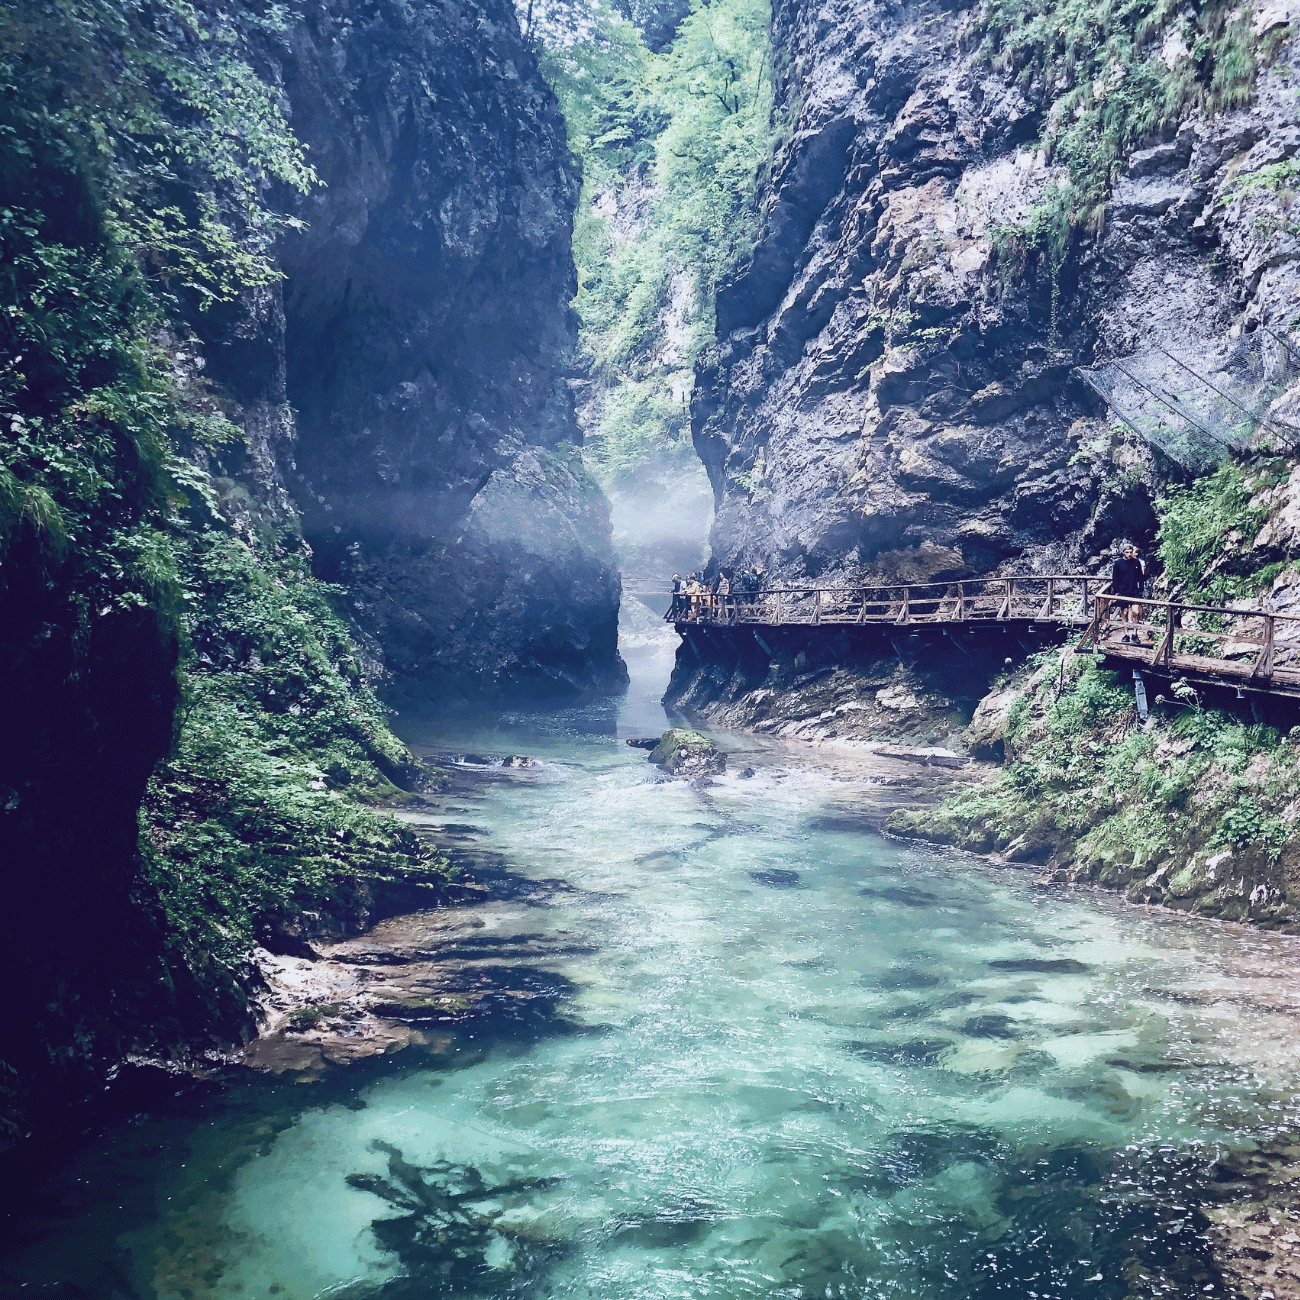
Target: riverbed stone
[681, 752]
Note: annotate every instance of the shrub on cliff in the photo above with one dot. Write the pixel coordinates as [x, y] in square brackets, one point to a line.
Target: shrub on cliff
[170, 110]
[253, 829]
[1208, 529]
[1101, 79]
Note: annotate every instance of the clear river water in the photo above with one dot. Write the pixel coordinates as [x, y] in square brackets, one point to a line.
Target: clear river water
[789, 1058]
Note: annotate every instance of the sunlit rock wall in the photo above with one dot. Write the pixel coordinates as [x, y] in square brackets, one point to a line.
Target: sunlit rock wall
[438, 469]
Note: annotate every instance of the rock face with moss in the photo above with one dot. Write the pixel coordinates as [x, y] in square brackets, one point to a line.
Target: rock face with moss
[195, 745]
[687, 753]
[969, 206]
[1195, 810]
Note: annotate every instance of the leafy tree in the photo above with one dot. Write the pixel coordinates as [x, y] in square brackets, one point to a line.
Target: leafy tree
[173, 108]
[672, 146]
[141, 147]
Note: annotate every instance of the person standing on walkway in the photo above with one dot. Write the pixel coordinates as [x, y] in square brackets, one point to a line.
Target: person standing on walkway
[1126, 579]
[675, 610]
[693, 596]
[723, 593]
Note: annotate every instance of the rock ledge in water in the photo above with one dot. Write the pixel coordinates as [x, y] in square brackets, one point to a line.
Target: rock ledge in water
[687, 753]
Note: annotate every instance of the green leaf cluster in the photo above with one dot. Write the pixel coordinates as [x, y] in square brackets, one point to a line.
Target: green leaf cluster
[672, 145]
[1208, 526]
[257, 816]
[86, 410]
[1086, 786]
[172, 107]
[109, 516]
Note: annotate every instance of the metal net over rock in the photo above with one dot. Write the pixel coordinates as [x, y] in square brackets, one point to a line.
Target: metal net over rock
[1198, 401]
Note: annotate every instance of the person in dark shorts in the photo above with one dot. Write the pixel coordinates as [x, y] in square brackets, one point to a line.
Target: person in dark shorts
[1126, 578]
[675, 609]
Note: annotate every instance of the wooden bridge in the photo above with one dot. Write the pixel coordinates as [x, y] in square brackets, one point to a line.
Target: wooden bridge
[1065, 599]
[1257, 652]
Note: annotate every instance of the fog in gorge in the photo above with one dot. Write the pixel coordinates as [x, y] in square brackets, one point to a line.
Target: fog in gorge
[661, 522]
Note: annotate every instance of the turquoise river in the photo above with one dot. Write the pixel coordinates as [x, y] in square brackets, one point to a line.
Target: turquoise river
[785, 1057]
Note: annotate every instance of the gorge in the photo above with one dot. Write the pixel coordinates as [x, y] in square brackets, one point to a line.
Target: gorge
[349, 948]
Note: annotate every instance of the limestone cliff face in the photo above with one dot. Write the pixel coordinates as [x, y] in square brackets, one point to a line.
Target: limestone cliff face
[409, 385]
[886, 395]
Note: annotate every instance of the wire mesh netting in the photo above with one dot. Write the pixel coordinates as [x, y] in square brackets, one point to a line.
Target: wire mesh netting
[1198, 402]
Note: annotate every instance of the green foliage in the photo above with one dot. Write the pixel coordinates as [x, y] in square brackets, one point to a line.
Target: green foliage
[1276, 178]
[1098, 71]
[1206, 527]
[84, 423]
[1086, 784]
[671, 146]
[1044, 234]
[255, 817]
[146, 173]
[163, 103]
[1245, 824]
[1277, 181]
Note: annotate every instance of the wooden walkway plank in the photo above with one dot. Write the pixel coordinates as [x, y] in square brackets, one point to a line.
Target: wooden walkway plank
[1179, 630]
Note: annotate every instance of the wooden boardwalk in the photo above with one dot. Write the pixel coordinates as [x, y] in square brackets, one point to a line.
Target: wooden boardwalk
[1066, 600]
[1257, 652]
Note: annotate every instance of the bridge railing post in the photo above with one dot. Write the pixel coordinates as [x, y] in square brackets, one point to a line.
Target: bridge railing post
[1164, 654]
[1094, 627]
[1264, 664]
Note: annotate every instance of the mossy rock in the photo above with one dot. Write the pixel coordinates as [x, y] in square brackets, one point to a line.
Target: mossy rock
[687, 753]
[440, 1006]
[940, 826]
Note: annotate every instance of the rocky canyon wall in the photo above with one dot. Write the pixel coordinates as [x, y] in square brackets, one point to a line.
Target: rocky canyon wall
[189, 390]
[410, 380]
[893, 390]
[902, 390]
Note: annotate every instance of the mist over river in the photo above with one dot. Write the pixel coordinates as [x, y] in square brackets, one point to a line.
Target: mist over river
[788, 1058]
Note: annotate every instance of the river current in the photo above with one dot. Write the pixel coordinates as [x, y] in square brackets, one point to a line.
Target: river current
[788, 1058]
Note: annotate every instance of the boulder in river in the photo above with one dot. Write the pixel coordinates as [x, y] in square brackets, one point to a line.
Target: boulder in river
[687, 753]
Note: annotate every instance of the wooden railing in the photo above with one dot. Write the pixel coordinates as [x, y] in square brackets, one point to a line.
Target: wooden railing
[1065, 598]
[1251, 647]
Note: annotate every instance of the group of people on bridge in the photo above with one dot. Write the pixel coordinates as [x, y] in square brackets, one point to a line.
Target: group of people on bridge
[693, 595]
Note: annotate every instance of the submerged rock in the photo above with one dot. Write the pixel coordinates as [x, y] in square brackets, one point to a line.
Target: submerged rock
[687, 753]
[776, 878]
